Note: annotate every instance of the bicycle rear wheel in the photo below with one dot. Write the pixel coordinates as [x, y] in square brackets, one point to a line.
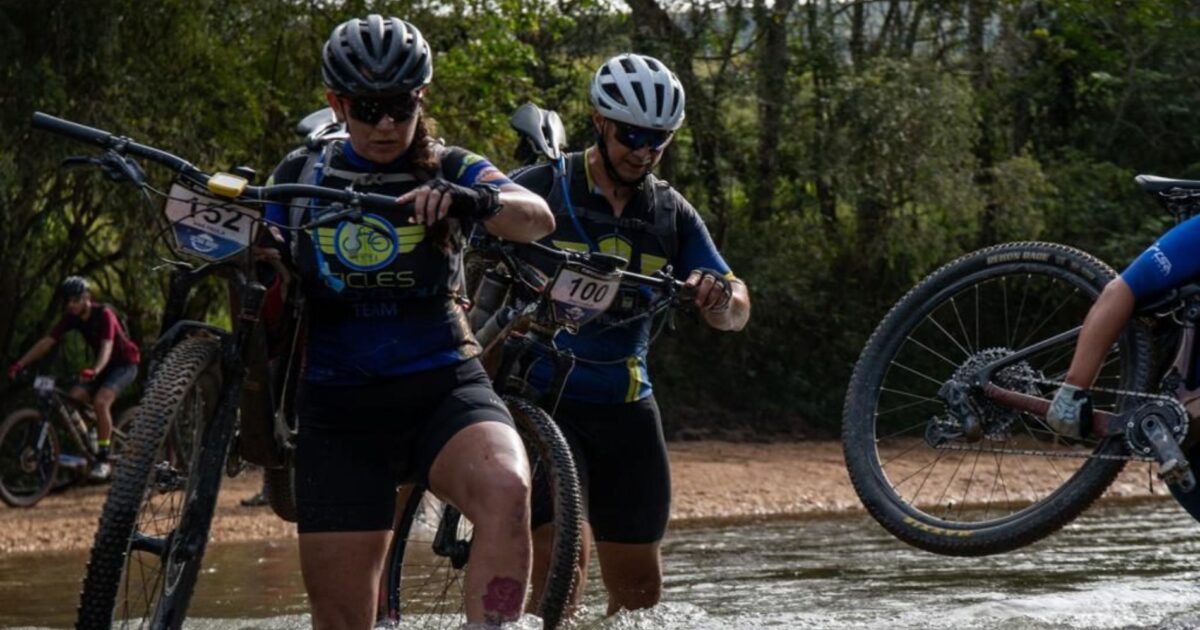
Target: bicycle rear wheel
[1020, 482]
[425, 572]
[132, 571]
[28, 457]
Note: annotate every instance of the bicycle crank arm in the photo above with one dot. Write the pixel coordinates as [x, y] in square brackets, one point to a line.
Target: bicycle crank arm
[1173, 466]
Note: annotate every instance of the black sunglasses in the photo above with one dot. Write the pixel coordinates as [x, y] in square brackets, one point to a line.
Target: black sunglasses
[636, 138]
[372, 110]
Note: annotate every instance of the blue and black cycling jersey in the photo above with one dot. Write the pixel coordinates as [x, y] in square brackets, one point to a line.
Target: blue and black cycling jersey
[611, 365]
[380, 293]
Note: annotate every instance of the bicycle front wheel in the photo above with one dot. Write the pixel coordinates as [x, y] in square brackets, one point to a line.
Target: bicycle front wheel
[425, 571]
[133, 573]
[28, 458]
[1019, 482]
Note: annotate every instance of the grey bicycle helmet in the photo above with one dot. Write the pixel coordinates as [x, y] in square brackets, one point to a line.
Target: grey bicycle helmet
[73, 287]
[376, 57]
[638, 90]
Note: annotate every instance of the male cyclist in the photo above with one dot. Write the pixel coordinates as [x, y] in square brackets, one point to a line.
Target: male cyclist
[116, 362]
[392, 390]
[607, 200]
[1166, 264]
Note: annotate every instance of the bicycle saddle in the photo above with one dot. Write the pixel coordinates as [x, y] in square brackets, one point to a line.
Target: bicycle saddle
[320, 127]
[1156, 184]
[542, 128]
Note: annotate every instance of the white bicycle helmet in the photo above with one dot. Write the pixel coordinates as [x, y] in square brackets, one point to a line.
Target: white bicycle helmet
[638, 90]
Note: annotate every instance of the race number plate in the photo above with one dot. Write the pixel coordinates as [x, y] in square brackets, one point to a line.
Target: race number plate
[578, 296]
[43, 383]
[208, 227]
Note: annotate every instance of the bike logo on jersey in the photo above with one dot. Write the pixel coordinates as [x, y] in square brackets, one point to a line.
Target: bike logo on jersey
[366, 246]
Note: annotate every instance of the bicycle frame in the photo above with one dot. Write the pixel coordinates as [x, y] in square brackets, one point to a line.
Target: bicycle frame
[55, 406]
[1181, 305]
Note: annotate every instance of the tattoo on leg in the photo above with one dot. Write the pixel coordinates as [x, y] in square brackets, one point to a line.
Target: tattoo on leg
[503, 600]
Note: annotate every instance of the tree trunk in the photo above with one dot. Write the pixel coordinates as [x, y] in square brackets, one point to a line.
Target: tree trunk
[773, 65]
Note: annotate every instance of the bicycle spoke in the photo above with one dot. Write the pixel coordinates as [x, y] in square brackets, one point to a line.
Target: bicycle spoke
[961, 326]
[1033, 332]
[1020, 309]
[932, 351]
[918, 373]
[945, 332]
[970, 479]
[916, 444]
[954, 474]
[905, 406]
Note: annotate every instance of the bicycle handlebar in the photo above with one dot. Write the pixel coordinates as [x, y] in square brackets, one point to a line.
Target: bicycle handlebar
[608, 263]
[125, 146]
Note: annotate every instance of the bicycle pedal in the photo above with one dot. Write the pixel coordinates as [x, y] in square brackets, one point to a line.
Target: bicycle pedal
[1179, 473]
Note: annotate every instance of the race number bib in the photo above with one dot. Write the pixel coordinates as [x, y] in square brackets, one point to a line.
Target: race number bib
[207, 227]
[43, 383]
[579, 297]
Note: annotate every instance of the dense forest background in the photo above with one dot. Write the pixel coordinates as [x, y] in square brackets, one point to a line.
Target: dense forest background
[838, 150]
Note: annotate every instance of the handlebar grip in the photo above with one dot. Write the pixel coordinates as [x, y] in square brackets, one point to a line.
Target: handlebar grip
[72, 130]
[381, 202]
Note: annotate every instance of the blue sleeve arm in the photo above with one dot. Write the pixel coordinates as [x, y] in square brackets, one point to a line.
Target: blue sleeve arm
[467, 169]
[696, 247]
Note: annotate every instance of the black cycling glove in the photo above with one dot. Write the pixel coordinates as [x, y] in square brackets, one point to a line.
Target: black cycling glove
[479, 202]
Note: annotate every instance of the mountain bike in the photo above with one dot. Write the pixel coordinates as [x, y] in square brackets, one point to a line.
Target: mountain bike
[212, 383]
[944, 427]
[32, 457]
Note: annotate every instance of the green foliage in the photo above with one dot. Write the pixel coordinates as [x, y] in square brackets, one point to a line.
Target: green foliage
[929, 133]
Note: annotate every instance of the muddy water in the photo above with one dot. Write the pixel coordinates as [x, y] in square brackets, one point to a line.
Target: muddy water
[1119, 566]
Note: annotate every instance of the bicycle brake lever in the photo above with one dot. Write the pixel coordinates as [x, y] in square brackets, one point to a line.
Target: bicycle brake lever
[120, 168]
[75, 161]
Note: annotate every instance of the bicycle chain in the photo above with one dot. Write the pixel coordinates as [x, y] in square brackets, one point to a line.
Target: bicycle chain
[1070, 455]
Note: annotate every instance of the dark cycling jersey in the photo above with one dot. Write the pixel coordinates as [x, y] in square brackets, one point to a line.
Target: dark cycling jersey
[612, 359]
[381, 294]
[100, 326]
[1168, 263]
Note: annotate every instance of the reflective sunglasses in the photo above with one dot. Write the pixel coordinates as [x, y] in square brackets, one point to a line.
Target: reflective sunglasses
[636, 138]
[372, 110]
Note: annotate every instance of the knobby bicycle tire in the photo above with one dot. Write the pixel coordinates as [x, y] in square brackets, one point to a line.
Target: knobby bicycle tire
[947, 294]
[190, 372]
[421, 590]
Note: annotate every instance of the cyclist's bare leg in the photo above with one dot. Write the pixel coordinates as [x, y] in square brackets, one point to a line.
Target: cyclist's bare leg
[632, 574]
[483, 472]
[81, 394]
[341, 574]
[102, 404]
[1103, 324]
[543, 540]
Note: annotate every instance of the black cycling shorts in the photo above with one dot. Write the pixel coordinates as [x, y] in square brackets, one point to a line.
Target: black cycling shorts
[621, 456]
[357, 443]
[112, 377]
